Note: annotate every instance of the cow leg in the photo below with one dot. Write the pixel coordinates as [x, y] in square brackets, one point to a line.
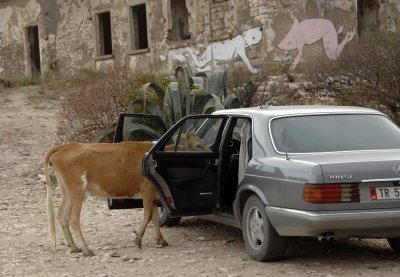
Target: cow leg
[148, 211]
[156, 221]
[63, 216]
[76, 206]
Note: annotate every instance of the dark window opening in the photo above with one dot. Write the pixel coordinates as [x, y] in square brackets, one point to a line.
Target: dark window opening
[180, 20]
[34, 50]
[367, 15]
[139, 27]
[105, 42]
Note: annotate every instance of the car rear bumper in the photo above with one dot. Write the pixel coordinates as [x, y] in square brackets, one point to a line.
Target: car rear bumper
[371, 223]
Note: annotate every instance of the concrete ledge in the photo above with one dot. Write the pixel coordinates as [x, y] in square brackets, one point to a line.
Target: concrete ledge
[139, 51]
[105, 57]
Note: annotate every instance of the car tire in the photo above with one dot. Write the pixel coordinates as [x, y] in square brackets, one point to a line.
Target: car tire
[262, 242]
[395, 244]
[166, 220]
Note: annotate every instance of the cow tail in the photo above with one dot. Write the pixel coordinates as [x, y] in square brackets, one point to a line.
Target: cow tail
[50, 204]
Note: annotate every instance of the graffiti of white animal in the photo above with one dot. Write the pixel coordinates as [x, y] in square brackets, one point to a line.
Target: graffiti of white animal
[111, 170]
[312, 30]
[228, 49]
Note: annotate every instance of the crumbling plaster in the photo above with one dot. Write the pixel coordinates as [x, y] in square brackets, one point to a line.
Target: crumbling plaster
[68, 31]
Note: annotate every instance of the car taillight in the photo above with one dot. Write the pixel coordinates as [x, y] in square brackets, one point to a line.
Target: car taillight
[335, 193]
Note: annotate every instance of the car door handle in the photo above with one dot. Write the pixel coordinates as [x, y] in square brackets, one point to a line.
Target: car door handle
[213, 162]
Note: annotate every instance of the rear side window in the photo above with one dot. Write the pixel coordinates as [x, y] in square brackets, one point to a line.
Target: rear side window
[326, 133]
[196, 135]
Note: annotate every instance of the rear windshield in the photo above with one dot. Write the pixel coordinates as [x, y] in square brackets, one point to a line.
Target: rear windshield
[325, 133]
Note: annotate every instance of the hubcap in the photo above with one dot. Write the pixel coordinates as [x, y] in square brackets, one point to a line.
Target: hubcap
[255, 228]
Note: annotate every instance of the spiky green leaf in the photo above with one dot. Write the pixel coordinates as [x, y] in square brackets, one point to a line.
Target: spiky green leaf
[217, 83]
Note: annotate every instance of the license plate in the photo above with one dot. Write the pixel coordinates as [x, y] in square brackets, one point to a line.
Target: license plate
[385, 193]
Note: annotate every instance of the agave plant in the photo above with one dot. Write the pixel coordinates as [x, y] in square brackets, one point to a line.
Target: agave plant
[187, 93]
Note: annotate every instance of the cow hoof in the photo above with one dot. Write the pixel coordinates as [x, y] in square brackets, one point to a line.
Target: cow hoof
[161, 243]
[138, 241]
[88, 253]
[76, 250]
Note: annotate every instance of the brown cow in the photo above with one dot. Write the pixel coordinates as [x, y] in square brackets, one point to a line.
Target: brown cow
[106, 170]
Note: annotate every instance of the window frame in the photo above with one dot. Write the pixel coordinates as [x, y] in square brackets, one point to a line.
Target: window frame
[316, 114]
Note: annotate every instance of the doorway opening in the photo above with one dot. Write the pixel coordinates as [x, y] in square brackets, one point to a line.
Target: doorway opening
[34, 49]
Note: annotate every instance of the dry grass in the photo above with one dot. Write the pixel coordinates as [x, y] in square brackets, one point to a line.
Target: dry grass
[93, 104]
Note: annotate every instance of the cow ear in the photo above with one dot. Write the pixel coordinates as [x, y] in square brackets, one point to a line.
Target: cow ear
[190, 134]
[190, 130]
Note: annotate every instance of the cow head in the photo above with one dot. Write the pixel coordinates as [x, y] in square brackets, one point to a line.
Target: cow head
[191, 142]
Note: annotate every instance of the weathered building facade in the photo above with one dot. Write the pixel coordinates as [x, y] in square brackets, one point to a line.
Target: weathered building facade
[153, 35]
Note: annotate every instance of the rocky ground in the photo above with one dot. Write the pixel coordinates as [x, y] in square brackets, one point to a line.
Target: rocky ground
[197, 247]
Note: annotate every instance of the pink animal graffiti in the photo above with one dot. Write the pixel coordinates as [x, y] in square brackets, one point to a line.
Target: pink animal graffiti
[312, 30]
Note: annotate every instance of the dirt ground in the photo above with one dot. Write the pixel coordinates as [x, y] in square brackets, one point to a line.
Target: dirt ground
[196, 247]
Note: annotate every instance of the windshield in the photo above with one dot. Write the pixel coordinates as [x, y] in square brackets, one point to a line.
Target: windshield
[325, 133]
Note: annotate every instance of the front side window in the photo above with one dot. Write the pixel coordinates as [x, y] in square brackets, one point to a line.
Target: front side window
[326, 133]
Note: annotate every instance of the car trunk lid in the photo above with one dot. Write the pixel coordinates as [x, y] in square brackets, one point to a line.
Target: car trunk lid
[377, 174]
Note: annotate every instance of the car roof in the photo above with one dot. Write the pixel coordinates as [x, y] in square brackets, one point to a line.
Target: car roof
[297, 110]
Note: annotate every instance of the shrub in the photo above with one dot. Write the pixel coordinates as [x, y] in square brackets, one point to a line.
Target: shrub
[246, 87]
[366, 75]
[93, 103]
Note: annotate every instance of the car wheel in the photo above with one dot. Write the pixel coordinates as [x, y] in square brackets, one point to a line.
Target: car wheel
[165, 219]
[261, 241]
[395, 244]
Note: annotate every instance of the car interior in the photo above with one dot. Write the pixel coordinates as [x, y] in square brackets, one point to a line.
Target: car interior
[237, 148]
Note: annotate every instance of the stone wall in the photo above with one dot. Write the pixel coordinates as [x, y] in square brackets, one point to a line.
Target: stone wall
[69, 33]
[14, 17]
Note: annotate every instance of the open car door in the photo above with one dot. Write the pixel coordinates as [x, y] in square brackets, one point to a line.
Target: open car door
[183, 165]
[136, 127]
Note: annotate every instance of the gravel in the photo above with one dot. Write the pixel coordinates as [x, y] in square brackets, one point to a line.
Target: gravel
[196, 247]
